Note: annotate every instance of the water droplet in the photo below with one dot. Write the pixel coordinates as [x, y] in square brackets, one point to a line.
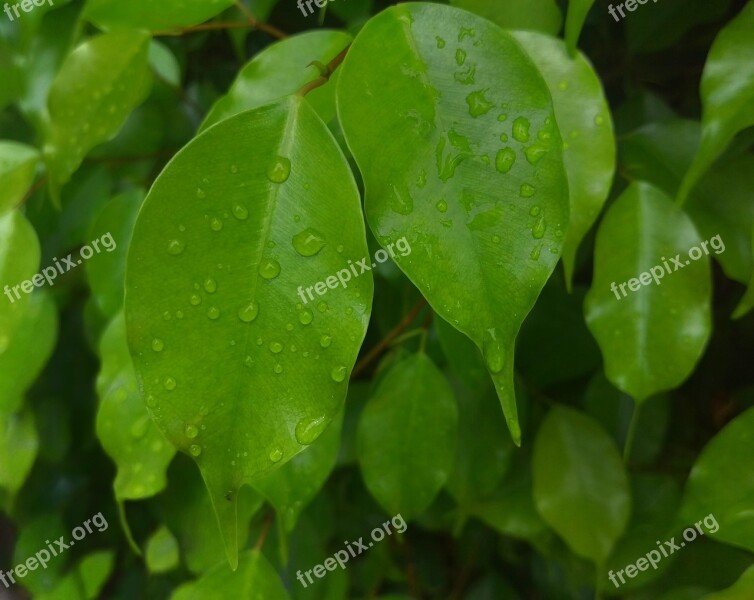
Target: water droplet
[176, 247]
[269, 268]
[200, 193]
[216, 224]
[240, 212]
[279, 170]
[191, 431]
[535, 252]
[478, 104]
[306, 317]
[309, 242]
[248, 312]
[325, 341]
[271, 244]
[166, 315]
[338, 374]
[210, 285]
[505, 159]
[233, 169]
[151, 401]
[339, 249]
[421, 179]
[276, 455]
[157, 345]
[248, 361]
[538, 231]
[169, 384]
[195, 449]
[213, 312]
[493, 352]
[465, 32]
[521, 129]
[276, 347]
[442, 206]
[440, 42]
[534, 211]
[179, 314]
[496, 239]
[195, 300]
[308, 430]
[322, 307]
[460, 56]
[278, 368]
[535, 153]
[259, 341]
[502, 117]
[527, 190]
[140, 427]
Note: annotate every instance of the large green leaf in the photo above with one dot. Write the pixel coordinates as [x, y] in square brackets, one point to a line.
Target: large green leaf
[727, 92]
[651, 338]
[255, 579]
[98, 85]
[583, 117]
[240, 369]
[580, 486]
[535, 15]
[460, 155]
[722, 484]
[124, 427]
[281, 69]
[153, 14]
[577, 11]
[18, 163]
[407, 436]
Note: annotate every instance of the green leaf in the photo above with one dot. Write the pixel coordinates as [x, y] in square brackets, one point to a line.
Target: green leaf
[164, 63]
[162, 551]
[536, 15]
[153, 14]
[486, 231]
[106, 270]
[709, 489]
[583, 116]
[18, 163]
[463, 356]
[255, 579]
[747, 301]
[18, 449]
[227, 272]
[86, 580]
[580, 486]
[669, 316]
[727, 92]
[577, 11]
[281, 69]
[407, 436]
[31, 538]
[743, 589]
[295, 484]
[124, 427]
[97, 87]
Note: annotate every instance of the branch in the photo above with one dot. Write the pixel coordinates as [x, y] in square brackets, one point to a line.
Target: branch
[251, 22]
[327, 71]
[265, 530]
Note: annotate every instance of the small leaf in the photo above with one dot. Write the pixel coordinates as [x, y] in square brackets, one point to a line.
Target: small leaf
[281, 69]
[98, 85]
[580, 486]
[18, 449]
[443, 152]
[651, 338]
[18, 162]
[407, 436]
[577, 11]
[724, 460]
[162, 551]
[528, 15]
[274, 209]
[727, 92]
[124, 427]
[151, 14]
[255, 579]
[583, 116]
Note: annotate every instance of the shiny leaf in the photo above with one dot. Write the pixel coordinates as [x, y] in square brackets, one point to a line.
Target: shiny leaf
[18, 163]
[153, 14]
[536, 15]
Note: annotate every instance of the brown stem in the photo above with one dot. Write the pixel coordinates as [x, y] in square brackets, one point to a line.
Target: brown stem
[329, 70]
[33, 189]
[385, 342]
[265, 530]
[220, 25]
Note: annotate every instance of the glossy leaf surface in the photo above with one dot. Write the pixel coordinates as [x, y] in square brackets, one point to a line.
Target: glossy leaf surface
[153, 14]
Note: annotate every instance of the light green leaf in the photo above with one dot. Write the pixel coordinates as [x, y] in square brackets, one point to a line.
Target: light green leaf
[528, 15]
[709, 490]
[18, 449]
[274, 209]
[162, 551]
[106, 269]
[164, 63]
[580, 486]
[486, 226]
[651, 338]
[281, 69]
[577, 11]
[153, 14]
[727, 92]
[295, 484]
[743, 589]
[407, 436]
[18, 162]
[583, 116]
[97, 87]
[255, 579]
[124, 427]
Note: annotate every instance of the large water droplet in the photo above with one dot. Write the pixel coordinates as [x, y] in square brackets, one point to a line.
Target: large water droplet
[276, 347]
[157, 345]
[308, 430]
[248, 312]
[191, 431]
[278, 368]
[216, 224]
[440, 42]
[305, 317]
[535, 153]
[442, 206]
[521, 129]
[478, 103]
[325, 341]
[534, 211]
[527, 190]
[338, 374]
[240, 212]
[538, 231]
[210, 285]
[276, 455]
[505, 159]
[169, 384]
[465, 32]
[195, 299]
[269, 268]
[176, 247]
[460, 56]
[195, 449]
[279, 170]
[213, 312]
[151, 401]
[309, 242]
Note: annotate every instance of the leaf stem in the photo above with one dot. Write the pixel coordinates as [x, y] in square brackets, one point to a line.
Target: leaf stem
[265, 530]
[325, 77]
[251, 22]
[628, 446]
